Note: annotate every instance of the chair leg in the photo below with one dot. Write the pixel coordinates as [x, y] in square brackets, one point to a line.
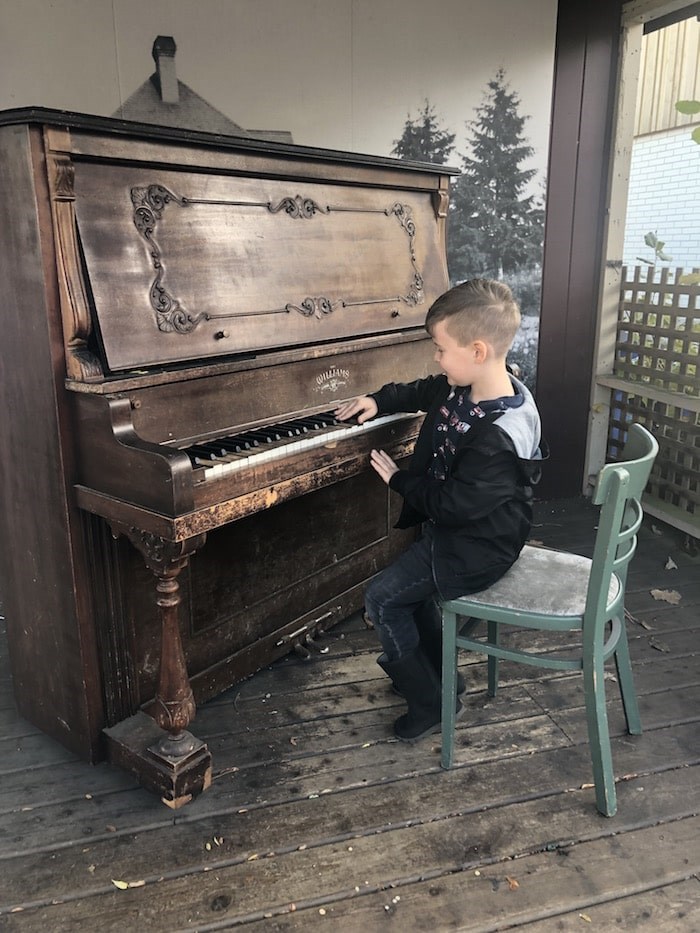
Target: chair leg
[626, 682]
[449, 685]
[599, 735]
[492, 663]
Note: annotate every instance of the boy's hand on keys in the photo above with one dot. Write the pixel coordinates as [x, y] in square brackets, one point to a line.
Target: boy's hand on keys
[383, 464]
[358, 409]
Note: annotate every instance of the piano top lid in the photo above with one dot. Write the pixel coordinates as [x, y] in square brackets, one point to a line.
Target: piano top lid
[46, 116]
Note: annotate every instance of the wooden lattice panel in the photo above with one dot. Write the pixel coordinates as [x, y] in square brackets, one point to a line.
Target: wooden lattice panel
[658, 331]
[675, 478]
[657, 350]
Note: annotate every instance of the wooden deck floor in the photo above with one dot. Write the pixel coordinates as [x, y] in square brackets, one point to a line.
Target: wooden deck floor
[318, 819]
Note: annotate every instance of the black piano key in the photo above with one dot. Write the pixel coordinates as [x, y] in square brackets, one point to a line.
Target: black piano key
[299, 426]
[317, 422]
[201, 451]
[328, 417]
[287, 429]
[215, 447]
[235, 445]
[269, 433]
[252, 438]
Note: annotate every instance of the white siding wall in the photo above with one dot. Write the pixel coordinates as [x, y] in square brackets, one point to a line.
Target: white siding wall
[664, 197]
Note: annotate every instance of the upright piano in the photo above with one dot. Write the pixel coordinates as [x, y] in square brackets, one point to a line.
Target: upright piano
[181, 313]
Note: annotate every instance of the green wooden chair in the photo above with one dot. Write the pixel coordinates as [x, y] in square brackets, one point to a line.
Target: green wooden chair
[556, 591]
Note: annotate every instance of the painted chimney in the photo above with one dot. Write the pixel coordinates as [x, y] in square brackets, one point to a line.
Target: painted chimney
[164, 49]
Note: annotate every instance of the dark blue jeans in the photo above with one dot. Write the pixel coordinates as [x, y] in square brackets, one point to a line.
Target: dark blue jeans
[400, 600]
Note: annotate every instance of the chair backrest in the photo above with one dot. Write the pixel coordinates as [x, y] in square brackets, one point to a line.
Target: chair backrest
[619, 491]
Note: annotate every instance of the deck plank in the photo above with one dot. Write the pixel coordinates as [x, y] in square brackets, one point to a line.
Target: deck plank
[547, 891]
[313, 798]
[326, 870]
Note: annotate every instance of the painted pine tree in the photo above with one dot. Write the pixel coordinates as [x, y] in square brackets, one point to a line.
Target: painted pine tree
[495, 229]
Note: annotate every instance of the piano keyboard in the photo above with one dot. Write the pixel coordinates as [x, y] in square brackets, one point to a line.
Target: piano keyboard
[226, 455]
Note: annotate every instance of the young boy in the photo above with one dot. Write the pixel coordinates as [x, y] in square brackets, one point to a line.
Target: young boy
[468, 484]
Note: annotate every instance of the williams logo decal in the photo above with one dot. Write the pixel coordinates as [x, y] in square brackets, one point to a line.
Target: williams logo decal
[332, 379]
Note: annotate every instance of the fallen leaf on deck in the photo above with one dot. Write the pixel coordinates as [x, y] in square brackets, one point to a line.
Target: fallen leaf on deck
[586, 918]
[670, 564]
[292, 741]
[535, 542]
[656, 530]
[512, 883]
[668, 596]
[587, 786]
[123, 885]
[659, 645]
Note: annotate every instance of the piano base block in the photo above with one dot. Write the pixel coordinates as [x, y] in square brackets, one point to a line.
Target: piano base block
[139, 745]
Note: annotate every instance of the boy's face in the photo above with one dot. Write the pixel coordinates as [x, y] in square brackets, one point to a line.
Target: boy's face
[458, 363]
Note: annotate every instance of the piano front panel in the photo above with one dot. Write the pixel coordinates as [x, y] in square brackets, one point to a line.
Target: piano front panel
[260, 580]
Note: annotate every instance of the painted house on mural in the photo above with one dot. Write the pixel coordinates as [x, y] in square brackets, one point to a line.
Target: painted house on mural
[165, 100]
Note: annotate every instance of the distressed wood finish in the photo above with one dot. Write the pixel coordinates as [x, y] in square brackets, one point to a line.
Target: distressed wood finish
[175, 288]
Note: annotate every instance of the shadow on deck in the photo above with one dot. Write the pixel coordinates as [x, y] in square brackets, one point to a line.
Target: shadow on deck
[317, 817]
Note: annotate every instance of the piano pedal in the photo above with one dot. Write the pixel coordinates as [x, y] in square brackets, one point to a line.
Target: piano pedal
[302, 651]
[312, 643]
[309, 644]
[304, 639]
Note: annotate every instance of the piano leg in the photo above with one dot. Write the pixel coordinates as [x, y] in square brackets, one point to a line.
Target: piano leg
[156, 746]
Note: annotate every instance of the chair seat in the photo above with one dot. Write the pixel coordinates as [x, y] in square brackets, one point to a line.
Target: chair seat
[545, 582]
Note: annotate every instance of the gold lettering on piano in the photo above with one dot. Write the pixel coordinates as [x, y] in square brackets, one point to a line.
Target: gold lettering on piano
[332, 379]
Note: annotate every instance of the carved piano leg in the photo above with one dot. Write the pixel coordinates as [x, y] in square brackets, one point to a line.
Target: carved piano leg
[157, 747]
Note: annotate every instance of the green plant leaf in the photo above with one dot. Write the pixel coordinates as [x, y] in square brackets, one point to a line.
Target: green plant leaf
[664, 257]
[650, 239]
[688, 106]
[695, 135]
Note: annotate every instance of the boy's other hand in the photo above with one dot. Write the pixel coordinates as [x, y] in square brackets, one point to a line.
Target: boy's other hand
[383, 464]
[361, 409]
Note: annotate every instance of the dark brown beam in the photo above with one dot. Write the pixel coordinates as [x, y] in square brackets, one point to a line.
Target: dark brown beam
[585, 79]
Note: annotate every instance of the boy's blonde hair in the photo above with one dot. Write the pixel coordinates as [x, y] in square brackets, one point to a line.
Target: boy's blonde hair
[479, 309]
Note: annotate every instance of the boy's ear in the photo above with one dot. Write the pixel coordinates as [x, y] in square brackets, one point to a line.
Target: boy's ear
[480, 349]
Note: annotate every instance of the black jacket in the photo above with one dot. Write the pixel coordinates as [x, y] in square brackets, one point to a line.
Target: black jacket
[482, 513]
